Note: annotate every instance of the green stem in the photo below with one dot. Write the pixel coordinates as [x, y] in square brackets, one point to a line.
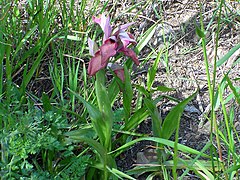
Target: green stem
[212, 87]
[214, 82]
[208, 78]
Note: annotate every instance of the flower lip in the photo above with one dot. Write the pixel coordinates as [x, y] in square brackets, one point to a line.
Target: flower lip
[108, 49]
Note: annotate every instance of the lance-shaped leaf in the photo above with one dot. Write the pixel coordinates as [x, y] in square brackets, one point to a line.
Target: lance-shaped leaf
[171, 121]
[105, 108]
[127, 94]
[96, 117]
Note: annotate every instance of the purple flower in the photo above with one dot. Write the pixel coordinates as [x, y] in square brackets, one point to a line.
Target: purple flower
[118, 70]
[113, 42]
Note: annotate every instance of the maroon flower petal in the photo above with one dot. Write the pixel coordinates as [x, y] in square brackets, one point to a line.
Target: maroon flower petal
[108, 49]
[95, 64]
[117, 69]
[130, 53]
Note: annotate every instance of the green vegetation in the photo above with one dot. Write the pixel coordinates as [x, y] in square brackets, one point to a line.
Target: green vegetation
[57, 122]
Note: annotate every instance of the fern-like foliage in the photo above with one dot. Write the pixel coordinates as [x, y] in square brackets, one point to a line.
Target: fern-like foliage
[76, 170]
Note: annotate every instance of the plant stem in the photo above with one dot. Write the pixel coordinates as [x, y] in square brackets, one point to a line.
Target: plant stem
[214, 82]
[208, 77]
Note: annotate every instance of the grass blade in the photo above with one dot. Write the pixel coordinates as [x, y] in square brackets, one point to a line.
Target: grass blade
[36, 63]
[228, 55]
[24, 40]
[234, 90]
[165, 142]
[146, 38]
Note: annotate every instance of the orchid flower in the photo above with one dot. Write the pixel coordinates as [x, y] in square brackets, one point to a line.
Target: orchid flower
[113, 42]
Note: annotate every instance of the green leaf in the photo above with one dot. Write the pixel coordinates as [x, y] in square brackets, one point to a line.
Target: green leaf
[156, 119]
[104, 106]
[232, 169]
[142, 90]
[96, 117]
[234, 90]
[228, 55]
[2, 52]
[36, 63]
[199, 32]
[113, 90]
[171, 121]
[231, 96]
[139, 170]
[165, 142]
[46, 103]
[152, 71]
[30, 53]
[83, 132]
[127, 94]
[120, 174]
[24, 40]
[139, 100]
[104, 157]
[78, 165]
[205, 170]
[139, 116]
[119, 115]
